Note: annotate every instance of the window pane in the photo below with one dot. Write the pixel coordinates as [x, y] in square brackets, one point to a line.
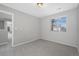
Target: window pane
[59, 24]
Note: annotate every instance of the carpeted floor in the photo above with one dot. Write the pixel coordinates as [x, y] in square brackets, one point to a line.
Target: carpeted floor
[38, 48]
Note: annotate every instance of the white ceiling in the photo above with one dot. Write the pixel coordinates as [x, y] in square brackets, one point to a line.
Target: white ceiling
[48, 9]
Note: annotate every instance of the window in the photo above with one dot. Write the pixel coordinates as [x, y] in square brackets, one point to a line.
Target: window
[59, 24]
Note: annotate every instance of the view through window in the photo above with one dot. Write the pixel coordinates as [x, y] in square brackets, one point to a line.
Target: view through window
[59, 24]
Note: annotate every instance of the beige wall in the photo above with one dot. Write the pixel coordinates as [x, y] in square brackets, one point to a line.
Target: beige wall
[67, 38]
[78, 27]
[26, 27]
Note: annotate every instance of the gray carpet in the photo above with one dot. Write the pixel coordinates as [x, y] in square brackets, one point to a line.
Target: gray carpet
[38, 48]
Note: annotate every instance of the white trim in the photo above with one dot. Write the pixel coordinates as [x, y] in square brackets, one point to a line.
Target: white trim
[25, 42]
[9, 13]
[12, 29]
[6, 12]
[64, 43]
[3, 43]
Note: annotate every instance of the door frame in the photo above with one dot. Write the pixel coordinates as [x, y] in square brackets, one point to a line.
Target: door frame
[12, 14]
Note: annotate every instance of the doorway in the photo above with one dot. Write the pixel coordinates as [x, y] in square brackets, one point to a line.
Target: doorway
[6, 27]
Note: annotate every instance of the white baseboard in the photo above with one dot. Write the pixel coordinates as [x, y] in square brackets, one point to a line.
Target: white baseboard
[3, 43]
[18, 44]
[60, 42]
[64, 43]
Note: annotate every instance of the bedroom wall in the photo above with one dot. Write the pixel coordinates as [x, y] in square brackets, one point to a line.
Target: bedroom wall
[78, 27]
[69, 37]
[26, 27]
